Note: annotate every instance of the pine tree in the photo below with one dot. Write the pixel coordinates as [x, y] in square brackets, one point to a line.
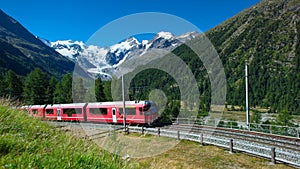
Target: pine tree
[57, 93]
[35, 87]
[50, 90]
[107, 90]
[2, 86]
[99, 90]
[13, 85]
[90, 95]
[63, 90]
[78, 90]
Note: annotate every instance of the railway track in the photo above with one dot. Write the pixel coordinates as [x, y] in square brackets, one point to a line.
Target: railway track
[274, 147]
[263, 138]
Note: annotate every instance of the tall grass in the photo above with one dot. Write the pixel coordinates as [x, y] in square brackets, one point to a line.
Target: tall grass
[26, 142]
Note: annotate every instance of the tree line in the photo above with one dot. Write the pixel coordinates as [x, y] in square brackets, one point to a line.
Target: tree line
[39, 88]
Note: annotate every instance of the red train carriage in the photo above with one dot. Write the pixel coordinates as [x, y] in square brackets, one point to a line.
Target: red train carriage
[104, 112]
[51, 112]
[37, 110]
[142, 112]
[71, 112]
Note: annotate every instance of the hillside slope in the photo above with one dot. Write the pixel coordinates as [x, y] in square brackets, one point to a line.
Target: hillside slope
[21, 51]
[26, 142]
[266, 35]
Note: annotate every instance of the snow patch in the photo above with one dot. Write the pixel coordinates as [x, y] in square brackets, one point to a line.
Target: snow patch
[165, 35]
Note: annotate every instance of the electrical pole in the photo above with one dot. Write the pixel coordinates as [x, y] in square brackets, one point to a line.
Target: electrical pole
[124, 112]
[247, 97]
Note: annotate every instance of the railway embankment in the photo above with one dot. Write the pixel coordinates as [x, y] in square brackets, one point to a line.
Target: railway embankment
[26, 142]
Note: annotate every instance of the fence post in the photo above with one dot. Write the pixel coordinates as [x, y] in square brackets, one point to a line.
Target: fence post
[297, 132]
[273, 155]
[270, 129]
[158, 132]
[177, 121]
[143, 130]
[231, 146]
[178, 135]
[201, 139]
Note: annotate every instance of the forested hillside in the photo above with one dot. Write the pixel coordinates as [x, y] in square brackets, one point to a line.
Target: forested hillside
[267, 36]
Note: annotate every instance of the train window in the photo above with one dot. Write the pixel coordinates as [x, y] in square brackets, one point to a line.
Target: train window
[70, 112]
[34, 111]
[130, 111]
[49, 111]
[102, 111]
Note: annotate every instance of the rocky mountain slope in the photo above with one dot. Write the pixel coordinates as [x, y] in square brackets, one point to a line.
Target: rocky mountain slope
[100, 60]
[21, 51]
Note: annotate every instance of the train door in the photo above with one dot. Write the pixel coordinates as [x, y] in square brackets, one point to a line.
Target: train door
[114, 117]
[58, 114]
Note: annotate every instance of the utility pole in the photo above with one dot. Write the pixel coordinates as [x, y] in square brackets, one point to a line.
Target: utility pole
[124, 112]
[247, 97]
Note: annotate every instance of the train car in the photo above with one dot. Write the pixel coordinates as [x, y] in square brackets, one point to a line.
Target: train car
[142, 112]
[52, 113]
[103, 112]
[71, 112]
[37, 111]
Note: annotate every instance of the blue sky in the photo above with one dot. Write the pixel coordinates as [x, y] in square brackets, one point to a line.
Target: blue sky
[79, 19]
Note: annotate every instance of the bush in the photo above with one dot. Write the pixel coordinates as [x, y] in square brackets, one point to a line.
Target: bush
[221, 124]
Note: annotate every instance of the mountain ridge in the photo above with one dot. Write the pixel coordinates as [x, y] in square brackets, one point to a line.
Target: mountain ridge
[22, 52]
[100, 59]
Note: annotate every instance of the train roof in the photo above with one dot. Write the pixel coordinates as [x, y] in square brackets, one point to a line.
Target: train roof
[115, 103]
[66, 105]
[36, 106]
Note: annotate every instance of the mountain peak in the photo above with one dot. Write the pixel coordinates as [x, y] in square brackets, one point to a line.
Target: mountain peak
[164, 35]
[125, 45]
[100, 59]
[187, 36]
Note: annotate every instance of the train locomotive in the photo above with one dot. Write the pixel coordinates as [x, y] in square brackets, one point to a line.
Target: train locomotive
[141, 112]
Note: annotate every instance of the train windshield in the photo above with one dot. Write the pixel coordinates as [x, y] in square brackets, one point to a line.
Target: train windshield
[150, 107]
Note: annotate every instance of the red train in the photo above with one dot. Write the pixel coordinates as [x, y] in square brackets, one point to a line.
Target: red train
[142, 112]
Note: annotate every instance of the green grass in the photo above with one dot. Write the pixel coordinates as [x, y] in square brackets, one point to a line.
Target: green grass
[190, 155]
[26, 142]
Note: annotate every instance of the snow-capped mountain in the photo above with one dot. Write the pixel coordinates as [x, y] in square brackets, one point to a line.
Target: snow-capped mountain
[99, 60]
